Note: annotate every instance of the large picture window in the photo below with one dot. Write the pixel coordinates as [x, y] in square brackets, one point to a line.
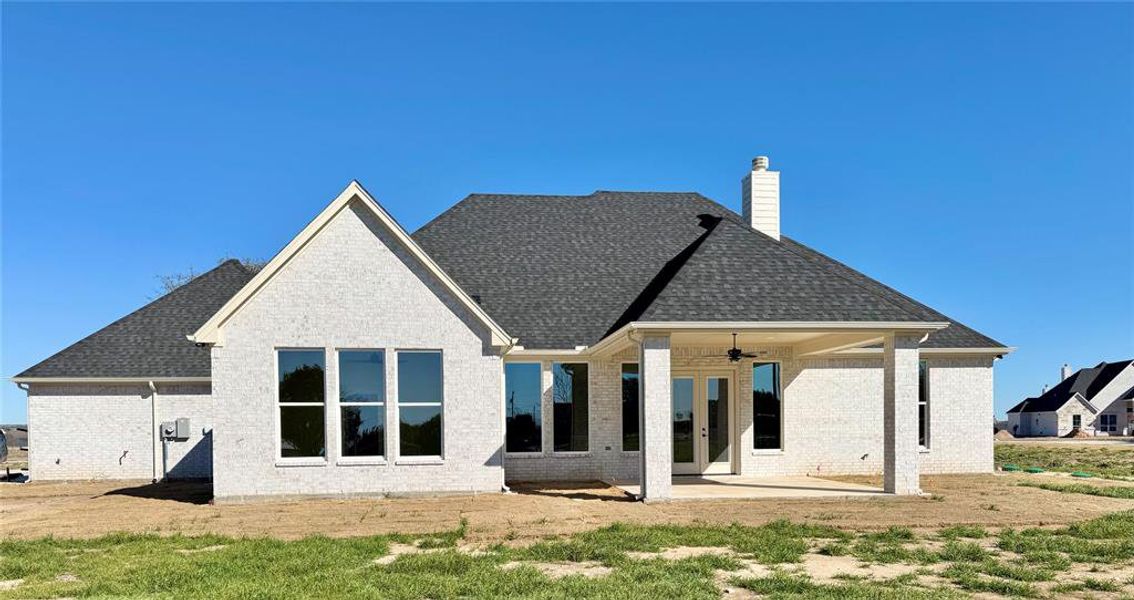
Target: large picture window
[923, 404]
[302, 398]
[362, 402]
[420, 400]
[630, 439]
[523, 392]
[767, 407]
[570, 399]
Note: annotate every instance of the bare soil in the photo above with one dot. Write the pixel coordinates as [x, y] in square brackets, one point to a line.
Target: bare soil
[91, 509]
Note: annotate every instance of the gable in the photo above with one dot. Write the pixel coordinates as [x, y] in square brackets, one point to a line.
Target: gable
[353, 201]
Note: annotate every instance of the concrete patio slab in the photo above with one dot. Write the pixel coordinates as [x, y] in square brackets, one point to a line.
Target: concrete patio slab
[717, 487]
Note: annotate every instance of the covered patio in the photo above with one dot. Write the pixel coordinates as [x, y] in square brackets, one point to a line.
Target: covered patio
[740, 487]
[656, 346]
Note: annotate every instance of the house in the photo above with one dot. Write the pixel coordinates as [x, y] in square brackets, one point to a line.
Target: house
[1097, 400]
[613, 336]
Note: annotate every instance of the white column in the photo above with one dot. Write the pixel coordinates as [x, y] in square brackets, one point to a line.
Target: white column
[899, 408]
[655, 423]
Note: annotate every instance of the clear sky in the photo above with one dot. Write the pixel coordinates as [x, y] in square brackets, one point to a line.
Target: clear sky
[977, 157]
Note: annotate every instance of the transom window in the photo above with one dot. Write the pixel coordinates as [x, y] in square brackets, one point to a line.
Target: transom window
[571, 411]
[767, 407]
[630, 438]
[362, 402]
[420, 402]
[302, 400]
[523, 391]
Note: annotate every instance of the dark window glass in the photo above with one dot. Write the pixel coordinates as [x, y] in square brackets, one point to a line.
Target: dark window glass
[419, 403]
[923, 404]
[717, 412]
[420, 430]
[569, 395]
[362, 401]
[766, 406]
[419, 377]
[362, 376]
[522, 396]
[301, 400]
[301, 376]
[1076, 421]
[630, 407]
[301, 431]
[683, 441]
[364, 430]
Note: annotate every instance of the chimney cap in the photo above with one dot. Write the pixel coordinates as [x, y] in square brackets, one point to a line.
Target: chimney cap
[760, 163]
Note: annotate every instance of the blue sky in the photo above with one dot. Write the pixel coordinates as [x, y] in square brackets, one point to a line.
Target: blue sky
[977, 157]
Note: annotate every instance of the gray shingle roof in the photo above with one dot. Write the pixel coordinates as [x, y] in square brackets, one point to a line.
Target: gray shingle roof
[1085, 382]
[563, 271]
[150, 342]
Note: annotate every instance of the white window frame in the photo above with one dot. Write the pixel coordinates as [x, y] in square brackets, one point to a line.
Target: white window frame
[398, 404]
[362, 458]
[621, 435]
[282, 460]
[542, 416]
[590, 407]
[752, 407]
[1076, 421]
[926, 403]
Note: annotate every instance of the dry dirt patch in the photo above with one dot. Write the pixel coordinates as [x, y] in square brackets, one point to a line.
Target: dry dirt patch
[91, 509]
[555, 570]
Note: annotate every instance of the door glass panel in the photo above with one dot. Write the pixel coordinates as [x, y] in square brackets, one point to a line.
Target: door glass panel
[717, 398]
[683, 439]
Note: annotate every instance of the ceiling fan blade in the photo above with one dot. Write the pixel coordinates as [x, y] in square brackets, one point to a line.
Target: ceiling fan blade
[753, 354]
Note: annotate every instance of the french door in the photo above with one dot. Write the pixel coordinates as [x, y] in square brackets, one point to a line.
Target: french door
[704, 405]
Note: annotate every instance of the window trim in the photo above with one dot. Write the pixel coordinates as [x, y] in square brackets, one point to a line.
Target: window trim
[542, 416]
[590, 404]
[365, 459]
[927, 401]
[399, 458]
[780, 392]
[621, 417]
[298, 461]
[1112, 427]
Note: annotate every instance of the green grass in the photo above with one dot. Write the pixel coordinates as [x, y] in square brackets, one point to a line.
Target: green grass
[1115, 462]
[1125, 492]
[209, 566]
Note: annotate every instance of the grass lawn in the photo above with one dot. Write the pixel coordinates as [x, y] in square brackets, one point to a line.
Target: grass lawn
[777, 560]
[1126, 492]
[1111, 461]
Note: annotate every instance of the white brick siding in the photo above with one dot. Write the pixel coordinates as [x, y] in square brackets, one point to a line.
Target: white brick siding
[103, 431]
[832, 418]
[354, 286]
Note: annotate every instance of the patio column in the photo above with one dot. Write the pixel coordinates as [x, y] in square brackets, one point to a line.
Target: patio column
[899, 410]
[655, 424]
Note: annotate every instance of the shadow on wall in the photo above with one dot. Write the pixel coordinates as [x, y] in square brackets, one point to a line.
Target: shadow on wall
[197, 463]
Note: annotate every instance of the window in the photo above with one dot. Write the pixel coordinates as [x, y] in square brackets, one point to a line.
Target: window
[766, 406]
[923, 404]
[630, 407]
[362, 402]
[569, 398]
[1077, 421]
[419, 403]
[523, 391]
[1109, 423]
[301, 400]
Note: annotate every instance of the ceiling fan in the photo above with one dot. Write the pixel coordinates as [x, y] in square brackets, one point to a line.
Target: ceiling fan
[735, 354]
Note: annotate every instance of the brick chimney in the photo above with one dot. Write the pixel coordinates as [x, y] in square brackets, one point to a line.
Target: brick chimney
[761, 193]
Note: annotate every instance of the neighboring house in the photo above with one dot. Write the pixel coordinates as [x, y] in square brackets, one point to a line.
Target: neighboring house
[612, 336]
[1097, 400]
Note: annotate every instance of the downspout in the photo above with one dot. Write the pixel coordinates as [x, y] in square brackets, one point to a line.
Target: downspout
[27, 406]
[153, 432]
